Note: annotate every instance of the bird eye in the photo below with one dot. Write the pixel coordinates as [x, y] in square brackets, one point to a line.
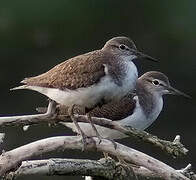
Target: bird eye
[122, 47]
[155, 82]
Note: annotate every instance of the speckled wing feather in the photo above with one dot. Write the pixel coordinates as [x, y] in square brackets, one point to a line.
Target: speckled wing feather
[116, 110]
[80, 71]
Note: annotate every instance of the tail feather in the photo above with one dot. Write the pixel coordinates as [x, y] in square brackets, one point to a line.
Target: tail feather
[20, 87]
[25, 80]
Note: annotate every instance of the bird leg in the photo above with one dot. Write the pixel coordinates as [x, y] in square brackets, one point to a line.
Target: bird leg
[73, 118]
[106, 155]
[94, 128]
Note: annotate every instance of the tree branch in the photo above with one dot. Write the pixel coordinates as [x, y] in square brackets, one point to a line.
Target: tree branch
[47, 117]
[11, 159]
[175, 148]
[104, 168]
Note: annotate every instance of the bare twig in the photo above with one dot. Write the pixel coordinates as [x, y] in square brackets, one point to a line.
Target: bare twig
[187, 171]
[23, 120]
[11, 159]
[2, 136]
[174, 148]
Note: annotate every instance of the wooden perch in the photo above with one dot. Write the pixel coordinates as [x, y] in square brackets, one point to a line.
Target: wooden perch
[104, 168]
[175, 148]
[12, 159]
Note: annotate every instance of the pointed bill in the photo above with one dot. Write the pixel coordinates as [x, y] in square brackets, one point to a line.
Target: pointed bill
[177, 92]
[144, 56]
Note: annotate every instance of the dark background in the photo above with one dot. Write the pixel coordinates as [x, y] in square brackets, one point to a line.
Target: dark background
[36, 35]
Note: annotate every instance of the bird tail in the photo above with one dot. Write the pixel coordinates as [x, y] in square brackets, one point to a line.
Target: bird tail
[20, 87]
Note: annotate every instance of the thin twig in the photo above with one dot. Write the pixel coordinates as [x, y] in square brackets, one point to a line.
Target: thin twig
[187, 171]
[2, 136]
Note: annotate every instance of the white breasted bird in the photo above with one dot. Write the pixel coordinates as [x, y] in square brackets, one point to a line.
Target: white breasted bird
[138, 111]
[91, 79]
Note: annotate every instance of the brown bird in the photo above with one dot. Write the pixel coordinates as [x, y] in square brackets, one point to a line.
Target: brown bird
[137, 110]
[90, 79]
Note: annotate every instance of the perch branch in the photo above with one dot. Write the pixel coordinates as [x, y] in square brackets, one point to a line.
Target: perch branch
[12, 159]
[104, 168]
[174, 148]
[50, 115]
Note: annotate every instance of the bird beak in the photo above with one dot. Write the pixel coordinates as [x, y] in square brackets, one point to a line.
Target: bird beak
[177, 92]
[144, 56]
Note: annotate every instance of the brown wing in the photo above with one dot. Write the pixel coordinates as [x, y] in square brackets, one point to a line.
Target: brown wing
[80, 71]
[116, 110]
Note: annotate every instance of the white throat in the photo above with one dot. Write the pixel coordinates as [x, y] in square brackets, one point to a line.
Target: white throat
[131, 75]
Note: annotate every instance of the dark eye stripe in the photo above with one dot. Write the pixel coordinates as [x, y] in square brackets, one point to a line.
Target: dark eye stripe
[149, 80]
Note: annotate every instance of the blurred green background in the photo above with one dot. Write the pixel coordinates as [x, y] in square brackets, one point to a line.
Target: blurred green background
[36, 35]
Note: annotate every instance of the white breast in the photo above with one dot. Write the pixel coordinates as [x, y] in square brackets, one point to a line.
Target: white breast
[139, 119]
[116, 92]
[157, 110]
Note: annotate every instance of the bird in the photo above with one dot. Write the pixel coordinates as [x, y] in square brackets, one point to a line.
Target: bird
[138, 110]
[91, 79]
